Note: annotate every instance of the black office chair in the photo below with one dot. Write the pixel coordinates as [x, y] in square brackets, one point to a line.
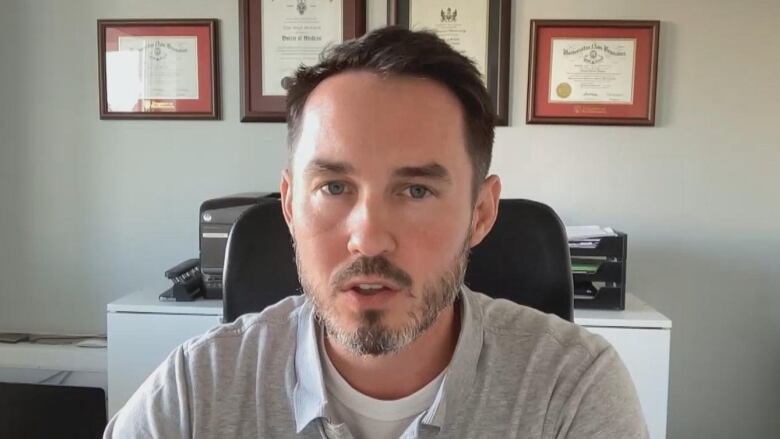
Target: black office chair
[524, 258]
[259, 265]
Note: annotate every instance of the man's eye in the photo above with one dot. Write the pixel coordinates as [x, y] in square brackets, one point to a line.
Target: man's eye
[418, 192]
[334, 188]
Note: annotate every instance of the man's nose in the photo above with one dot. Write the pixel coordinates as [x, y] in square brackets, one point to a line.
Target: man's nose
[370, 228]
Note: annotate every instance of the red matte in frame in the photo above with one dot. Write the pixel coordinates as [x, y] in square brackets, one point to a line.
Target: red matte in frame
[642, 72]
[204, 102]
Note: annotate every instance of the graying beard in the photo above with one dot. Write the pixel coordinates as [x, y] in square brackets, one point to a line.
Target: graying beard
[374, 338]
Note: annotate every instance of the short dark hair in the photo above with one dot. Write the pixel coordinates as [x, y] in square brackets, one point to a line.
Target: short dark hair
[398, 51]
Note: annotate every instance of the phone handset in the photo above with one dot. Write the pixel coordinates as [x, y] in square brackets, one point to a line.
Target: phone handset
[187, 281]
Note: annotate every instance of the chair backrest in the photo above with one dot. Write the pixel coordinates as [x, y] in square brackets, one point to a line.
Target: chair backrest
[259, 265]
[524, 258]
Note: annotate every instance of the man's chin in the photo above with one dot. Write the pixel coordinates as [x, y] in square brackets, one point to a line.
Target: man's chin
[363, 322]
[368, 335]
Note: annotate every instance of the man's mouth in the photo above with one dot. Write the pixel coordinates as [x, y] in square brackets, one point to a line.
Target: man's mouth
[370, 292]
[370, 289]
[370, 285]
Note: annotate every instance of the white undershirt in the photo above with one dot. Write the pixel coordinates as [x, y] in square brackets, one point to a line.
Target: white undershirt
[368, 417]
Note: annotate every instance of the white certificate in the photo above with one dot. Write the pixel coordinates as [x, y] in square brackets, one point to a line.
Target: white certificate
[461, 23]
[592, 70]
[167, 67]
[295, 32]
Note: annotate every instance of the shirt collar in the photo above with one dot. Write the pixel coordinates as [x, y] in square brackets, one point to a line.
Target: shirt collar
[309, 398]
[463, 367]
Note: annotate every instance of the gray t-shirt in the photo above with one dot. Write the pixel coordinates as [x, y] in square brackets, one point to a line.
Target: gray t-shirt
[515, 373]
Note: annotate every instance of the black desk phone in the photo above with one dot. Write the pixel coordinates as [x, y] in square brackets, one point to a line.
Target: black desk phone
[187, 282]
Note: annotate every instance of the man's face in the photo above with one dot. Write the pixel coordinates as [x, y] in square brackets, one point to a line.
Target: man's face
[379, 202]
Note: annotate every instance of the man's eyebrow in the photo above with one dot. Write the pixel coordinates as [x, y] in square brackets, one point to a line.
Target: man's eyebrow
[433, 170]
[319, 166]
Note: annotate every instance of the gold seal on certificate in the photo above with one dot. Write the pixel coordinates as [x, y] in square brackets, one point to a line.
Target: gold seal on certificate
[295, 32]
[563, 90]
[592, 70]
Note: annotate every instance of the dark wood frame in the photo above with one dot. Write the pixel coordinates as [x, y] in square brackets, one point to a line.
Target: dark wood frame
[256, 107]
[211, 24]
[532, 116]
[497, 76]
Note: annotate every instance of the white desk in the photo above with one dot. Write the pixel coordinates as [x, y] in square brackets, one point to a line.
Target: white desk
[53, 357]
[142, 331]
[34, 363]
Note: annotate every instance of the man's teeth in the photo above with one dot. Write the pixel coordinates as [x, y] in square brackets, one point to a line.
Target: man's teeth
[370, 286]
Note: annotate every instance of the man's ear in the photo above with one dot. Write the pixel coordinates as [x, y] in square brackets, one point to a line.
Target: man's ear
[485, 210]
[286, 190]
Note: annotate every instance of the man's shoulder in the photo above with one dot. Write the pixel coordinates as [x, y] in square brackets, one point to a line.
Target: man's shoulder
[501, 317]
[208, 384]
[277, 321]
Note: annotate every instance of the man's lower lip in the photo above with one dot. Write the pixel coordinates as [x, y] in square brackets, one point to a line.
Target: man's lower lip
[366, 299]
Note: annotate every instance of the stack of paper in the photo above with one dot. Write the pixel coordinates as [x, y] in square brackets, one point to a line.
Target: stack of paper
[586, 265]
[587, 236]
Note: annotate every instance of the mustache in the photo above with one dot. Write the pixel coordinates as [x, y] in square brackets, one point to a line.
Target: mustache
[373, 266]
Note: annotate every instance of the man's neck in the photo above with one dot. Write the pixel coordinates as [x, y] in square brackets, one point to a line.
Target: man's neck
[395, 376]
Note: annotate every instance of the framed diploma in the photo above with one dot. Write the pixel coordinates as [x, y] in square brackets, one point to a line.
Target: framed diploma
[158, 69]
[278, 36]
[477, 28]
[595, 72]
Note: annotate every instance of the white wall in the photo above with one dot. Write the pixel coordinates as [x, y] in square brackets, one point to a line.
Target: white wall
[90, 210]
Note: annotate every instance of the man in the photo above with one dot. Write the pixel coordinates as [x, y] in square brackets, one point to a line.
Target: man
[386, 191]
